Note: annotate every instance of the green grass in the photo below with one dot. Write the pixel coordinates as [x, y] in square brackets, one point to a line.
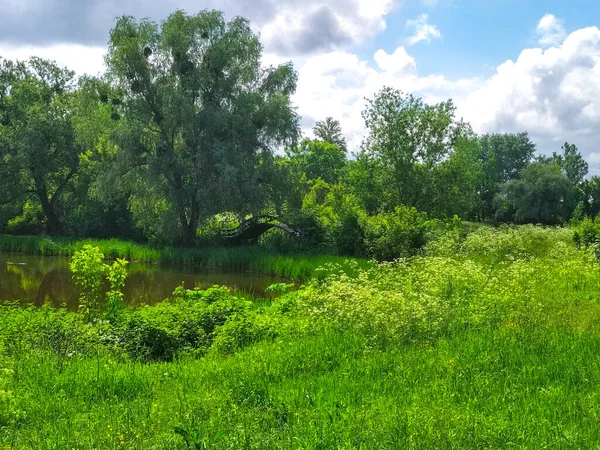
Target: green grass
[300, 267]
[462, 351]
[503, 388]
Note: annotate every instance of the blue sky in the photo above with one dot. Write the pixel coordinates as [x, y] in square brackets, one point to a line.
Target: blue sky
[478, 35]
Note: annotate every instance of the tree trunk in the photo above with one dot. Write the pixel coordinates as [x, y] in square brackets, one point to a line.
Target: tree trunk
[53, 226]
[189, 227]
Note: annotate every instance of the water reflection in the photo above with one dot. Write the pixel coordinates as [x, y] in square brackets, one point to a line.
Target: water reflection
[37, 280]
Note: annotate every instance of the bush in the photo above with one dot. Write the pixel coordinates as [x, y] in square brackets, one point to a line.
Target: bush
[486, 243]
[188, 322]
[89, 272]
[347, 233]
[393, 235]
[587, 233]
[150, 337]
[243, 329]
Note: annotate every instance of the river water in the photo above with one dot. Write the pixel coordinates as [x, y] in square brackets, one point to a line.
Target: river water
[37, 279]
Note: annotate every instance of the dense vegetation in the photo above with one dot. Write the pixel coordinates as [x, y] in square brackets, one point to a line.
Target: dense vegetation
[470, 331]
[187, 133]
[488, 340]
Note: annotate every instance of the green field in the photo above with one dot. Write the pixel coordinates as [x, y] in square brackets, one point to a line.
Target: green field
[457, 348]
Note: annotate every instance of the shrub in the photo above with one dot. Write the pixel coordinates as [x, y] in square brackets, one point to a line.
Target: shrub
[242, 329]
[498, 244]
[89, 272]
[188, 321]
[587, 233]
[394, 235]
[149, 337]
[347, 233]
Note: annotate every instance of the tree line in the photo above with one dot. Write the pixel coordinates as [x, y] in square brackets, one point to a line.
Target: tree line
[187, 125]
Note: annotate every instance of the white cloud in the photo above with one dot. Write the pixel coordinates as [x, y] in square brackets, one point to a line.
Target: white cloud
[550, 30]
[423, 30]
[314, 26]
[82, 59]
[398, 63]
[553, 93]
[289, 27]
[336, 84]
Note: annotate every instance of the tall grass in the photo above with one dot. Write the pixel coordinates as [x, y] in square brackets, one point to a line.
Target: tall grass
[298, 267]
[497, 349]
[57, 246]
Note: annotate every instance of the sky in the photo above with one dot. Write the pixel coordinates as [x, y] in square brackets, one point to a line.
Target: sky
[508, 65]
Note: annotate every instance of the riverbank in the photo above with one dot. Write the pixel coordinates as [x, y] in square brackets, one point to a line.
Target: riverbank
[293, 267]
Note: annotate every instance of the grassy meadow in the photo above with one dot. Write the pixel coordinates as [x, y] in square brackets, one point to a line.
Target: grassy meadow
[488, 340]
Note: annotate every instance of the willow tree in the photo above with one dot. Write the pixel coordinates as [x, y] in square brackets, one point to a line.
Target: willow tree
[200, 112]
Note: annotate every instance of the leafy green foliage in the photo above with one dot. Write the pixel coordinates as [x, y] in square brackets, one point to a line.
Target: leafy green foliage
[89, 273]
[502, 156]
[314, 160]
[586, 234]
[543, 194]
[202, 111]
[330, 130]
[399, 234]
[88, 269]
[571, 163]
[116, 275]
[39, 155]
[411, 139]
[491, 340]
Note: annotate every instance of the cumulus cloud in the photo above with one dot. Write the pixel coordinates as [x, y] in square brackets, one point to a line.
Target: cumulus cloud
[311, 26]
[398, 63]
[287, 26]
[337, 83]
[422, 29]
[79, 58]
[550, 30]
[554, 94]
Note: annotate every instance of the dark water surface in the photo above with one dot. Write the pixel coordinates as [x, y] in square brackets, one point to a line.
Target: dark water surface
[38, 279]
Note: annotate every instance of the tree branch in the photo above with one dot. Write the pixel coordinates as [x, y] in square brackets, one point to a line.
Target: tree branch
[70, 175]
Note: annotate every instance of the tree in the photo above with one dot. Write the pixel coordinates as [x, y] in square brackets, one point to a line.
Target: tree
[572, 163]
[542, 194]
[200, 112]
[317, 159]
[98, 205]
[330, 130]
[502, 157]
[365, 181]
[591, 196]
[39, 155]
[455, 181]
[411, 139]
